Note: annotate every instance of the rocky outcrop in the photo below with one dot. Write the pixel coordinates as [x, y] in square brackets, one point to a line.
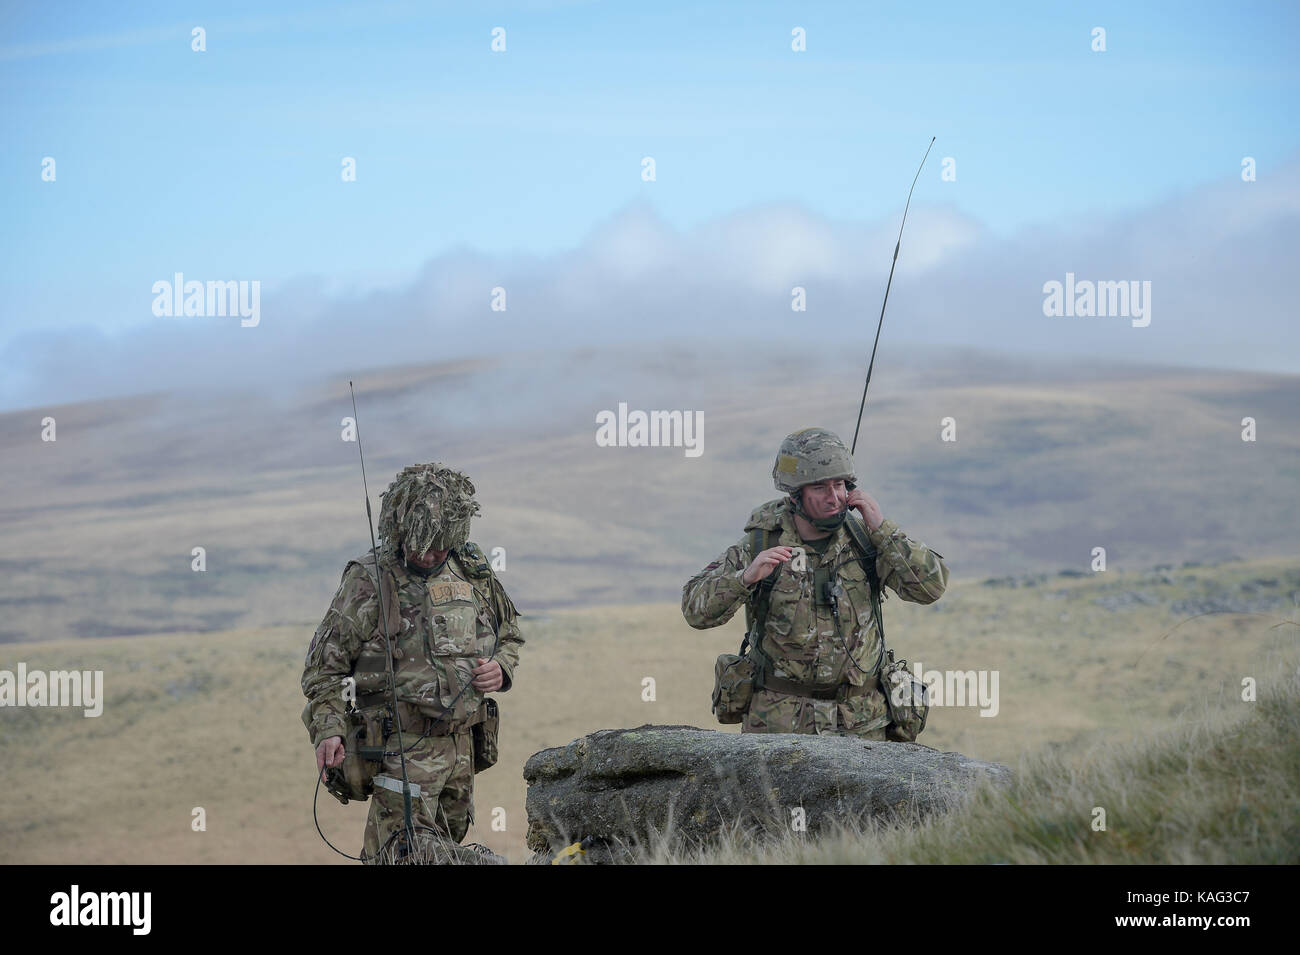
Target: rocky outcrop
[629, 787]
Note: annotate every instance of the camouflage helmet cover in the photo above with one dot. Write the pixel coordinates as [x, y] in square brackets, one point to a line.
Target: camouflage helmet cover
[427, 507]
[809, 457]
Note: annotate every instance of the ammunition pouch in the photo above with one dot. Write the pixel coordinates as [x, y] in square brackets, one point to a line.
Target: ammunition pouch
[906, 698]
[486, 728]
[737, 675]
[733, 685]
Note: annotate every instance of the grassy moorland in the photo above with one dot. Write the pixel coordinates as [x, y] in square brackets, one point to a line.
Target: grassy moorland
[1113, 692]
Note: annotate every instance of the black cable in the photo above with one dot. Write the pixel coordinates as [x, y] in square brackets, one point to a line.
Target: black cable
[382, 849]
[835, 572]
[316, 820]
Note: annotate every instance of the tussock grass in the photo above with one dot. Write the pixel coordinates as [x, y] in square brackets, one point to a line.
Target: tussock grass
[1222, 785]
[212, 720]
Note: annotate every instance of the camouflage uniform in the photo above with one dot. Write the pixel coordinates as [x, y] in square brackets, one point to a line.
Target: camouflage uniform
[806, 642]
[440, 622]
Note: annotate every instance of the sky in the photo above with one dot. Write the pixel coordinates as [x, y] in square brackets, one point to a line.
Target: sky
[523, 168]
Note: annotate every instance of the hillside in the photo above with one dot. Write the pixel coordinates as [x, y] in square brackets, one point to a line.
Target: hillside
[211, 720]
[1051, 460]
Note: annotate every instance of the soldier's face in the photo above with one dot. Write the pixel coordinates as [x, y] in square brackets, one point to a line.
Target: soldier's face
[825, 499]
[430, 558]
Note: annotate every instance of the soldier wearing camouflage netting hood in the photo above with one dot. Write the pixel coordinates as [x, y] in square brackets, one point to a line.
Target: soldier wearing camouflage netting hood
[454, 639]
[811, 576]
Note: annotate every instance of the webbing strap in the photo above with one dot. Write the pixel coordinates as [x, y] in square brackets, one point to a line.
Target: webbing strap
[858, 534]
[760, 539]
[388, 584]
[431, 723]
[838, 691]
[365, 700]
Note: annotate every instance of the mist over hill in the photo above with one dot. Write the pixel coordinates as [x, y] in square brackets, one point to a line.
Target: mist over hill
[1051, 459]
[1215, 260]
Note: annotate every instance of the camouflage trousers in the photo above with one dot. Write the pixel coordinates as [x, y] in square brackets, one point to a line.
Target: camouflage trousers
[865, 717]
[443, 768]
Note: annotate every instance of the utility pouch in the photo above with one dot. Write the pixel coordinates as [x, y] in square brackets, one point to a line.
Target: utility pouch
[485, 730]
[733, 686]
[907, 699]
[363, 756]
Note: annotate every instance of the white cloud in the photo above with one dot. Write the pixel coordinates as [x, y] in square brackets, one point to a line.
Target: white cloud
[1220, 260]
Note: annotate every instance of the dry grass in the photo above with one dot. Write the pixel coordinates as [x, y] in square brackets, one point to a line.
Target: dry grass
[1218, 787]
[212, 720]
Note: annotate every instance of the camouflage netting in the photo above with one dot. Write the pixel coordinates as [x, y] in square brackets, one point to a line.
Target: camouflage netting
[428, 506]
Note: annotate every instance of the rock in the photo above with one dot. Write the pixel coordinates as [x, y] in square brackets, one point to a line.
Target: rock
[623, 787]
[1024, 580]
[1125, 600]
[1195, 607]
[180, 689]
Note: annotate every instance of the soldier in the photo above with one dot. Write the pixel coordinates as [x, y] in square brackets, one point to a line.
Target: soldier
[454, 639]
[817, 638]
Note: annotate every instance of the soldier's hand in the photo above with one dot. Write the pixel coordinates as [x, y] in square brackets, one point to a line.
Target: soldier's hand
[488, 675]
[867, 507]
[329, 754]
[766, 562]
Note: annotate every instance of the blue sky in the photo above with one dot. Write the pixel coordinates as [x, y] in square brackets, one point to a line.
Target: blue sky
[225, 164]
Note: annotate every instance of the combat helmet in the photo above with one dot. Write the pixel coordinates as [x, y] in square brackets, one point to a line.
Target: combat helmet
[427, 507]
[809, 457]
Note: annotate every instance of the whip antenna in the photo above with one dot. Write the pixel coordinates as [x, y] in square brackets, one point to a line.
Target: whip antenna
[881, 323]
[388, 641]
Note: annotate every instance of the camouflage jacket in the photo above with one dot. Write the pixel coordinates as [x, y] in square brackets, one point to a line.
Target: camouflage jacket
[806, 642]
[439, 625]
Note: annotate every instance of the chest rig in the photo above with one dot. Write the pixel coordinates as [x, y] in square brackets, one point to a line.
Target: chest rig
[439, 625]
[826, 591]
[428, 677]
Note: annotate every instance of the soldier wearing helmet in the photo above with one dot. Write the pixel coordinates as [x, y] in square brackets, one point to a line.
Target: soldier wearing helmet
[454, 639]
[804, 572]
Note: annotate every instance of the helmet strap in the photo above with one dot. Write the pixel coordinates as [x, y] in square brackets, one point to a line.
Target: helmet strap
[832, 523]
